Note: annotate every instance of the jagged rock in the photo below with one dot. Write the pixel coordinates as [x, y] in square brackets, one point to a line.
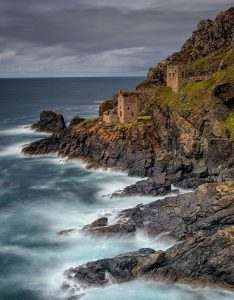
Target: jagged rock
[191, 183]
[76, 120]
[120, 268]
[205, 255]
[225, 92]
[205, 209]
[156, 185]
[204, 260]
[44, 146]
[127, 228]
[50, 122]
[98, 223]
[209, 36]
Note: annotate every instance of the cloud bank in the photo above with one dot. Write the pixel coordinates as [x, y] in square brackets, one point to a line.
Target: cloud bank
[94, 37]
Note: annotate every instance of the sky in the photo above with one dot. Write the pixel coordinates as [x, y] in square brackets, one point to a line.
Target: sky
[47, 38]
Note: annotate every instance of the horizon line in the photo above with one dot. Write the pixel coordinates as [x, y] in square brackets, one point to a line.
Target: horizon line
[62, 77]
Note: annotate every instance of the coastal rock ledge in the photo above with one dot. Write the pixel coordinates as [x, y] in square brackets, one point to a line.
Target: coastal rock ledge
[49, 122]
[203, 225]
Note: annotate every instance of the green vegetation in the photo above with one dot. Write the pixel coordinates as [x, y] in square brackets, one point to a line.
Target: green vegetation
[197, 95]
[228, 124]
[144, 118]
[212, 62]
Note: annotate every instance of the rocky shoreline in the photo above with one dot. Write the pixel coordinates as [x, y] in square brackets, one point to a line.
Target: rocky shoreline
[186, 139]
[201, 224]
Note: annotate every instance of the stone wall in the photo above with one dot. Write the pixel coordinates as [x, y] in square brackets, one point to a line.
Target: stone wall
[110, 117]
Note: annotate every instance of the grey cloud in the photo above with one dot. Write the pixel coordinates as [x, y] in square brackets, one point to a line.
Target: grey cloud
[95, 36]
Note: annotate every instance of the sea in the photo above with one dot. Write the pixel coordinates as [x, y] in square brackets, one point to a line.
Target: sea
[42, 195]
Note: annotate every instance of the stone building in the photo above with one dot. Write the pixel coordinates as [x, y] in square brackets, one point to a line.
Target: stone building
[127, 110]
[176, 76]
[128, 107]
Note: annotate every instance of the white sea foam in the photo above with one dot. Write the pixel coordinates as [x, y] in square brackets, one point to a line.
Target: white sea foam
[181, 190]
[17, 250]
[22, 130]
[13, 150]
[19, 130]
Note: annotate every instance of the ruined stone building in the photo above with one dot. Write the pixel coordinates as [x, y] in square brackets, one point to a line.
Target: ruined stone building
[110, 116]
[127, 109]
[176, 76]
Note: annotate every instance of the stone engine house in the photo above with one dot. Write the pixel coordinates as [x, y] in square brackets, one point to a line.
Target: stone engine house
[176, 76]
[127, 110]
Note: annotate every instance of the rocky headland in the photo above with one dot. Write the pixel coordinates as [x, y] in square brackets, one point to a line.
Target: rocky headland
[185, 138]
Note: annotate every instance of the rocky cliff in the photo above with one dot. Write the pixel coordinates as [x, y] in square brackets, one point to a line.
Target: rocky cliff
[188, 136]
[185, 138]
[212, 37]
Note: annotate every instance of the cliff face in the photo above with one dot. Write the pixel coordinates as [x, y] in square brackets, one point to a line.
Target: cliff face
[210, 36]
[190, 134]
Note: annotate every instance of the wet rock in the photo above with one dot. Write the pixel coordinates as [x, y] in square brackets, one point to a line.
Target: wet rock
[190, 183]
[66, 232]
[118, 269]
[179, 216]
[205, 259]
[126, 228]
[50, 122]
[153, 186]
[205, 255]
[98, 223]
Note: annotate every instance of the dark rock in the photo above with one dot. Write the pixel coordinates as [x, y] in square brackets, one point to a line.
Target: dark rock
[44, 146]
[205, 259]
[190, 183]
[50, 122]
[127, 228]
[66, 232]
[225, 92]
[180, 215]
[153, 186]
[98, 223]
[205, 256]
[76, 120]
[119, 269]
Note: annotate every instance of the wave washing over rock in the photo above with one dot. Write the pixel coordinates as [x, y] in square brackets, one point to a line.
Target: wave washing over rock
[183, 138]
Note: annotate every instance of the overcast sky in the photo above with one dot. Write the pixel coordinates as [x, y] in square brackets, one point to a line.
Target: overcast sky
[95, 37]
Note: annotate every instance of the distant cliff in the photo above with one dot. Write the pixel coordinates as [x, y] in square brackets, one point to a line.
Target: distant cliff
[210, 36]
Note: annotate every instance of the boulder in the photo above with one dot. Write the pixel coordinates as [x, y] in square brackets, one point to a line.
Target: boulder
[118, 269]
[153, 186]
[50, 122]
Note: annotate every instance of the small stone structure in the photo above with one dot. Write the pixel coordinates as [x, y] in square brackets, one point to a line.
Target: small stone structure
[176, 76]
[110, 116]
[127, 109]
